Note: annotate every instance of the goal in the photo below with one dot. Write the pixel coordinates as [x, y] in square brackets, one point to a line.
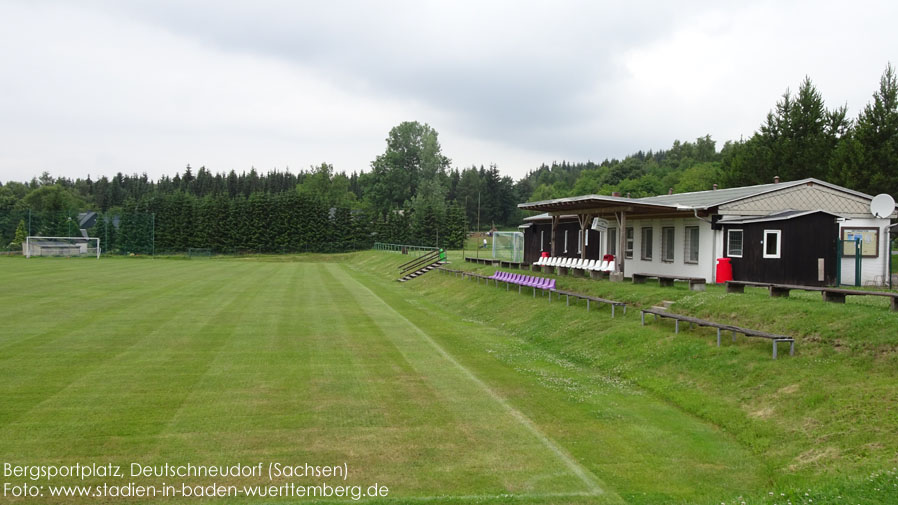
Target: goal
[61, 246]
[508, 245]
[199, 252]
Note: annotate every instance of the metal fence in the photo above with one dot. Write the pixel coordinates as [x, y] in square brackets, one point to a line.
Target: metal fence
[416, 250]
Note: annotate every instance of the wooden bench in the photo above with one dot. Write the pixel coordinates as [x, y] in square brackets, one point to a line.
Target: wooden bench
[695, 283]
[776, 290]
[735, 329]
[834, 295]
[482, 261]
[613, 303]
[837, 295]
[514, 264]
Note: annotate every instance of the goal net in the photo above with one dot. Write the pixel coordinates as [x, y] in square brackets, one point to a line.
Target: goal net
[199, 252]
[508, 246]
[61, 246]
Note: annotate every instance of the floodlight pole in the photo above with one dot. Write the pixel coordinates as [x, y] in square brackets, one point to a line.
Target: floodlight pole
[153, 237]
[478, 211]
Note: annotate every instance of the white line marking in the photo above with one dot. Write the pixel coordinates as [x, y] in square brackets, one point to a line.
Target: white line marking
[585, 475]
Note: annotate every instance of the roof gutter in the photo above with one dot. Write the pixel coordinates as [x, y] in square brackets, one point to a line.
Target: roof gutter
[694, 212]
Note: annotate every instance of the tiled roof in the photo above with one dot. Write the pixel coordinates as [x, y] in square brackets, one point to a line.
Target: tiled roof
[713, 198]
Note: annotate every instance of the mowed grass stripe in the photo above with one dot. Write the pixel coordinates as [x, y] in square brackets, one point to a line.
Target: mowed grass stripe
[141, 381]
[81, 297]
[450, 375]
[258, 383]
[39, 369]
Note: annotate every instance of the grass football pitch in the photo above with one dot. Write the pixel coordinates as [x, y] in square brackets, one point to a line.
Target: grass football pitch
[315, 361]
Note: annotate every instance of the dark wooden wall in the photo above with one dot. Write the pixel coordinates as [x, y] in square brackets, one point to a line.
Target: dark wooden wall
[803, 240]
[531, 241]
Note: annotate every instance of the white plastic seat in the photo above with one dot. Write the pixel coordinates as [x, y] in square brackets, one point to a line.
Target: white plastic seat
[600, 267]
[610, 267]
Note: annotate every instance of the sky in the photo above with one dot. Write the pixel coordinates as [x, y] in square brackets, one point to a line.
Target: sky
[100, 87]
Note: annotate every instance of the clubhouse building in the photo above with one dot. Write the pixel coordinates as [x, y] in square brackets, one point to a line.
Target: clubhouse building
[798, 232]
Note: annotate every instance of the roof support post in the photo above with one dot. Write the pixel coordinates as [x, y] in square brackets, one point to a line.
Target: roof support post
[555, 220]
[584, 219]
[622, 242]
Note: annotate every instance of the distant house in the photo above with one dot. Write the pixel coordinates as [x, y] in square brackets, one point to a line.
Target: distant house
[782, 232]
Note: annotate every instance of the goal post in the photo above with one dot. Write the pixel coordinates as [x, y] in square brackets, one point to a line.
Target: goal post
[35, 245]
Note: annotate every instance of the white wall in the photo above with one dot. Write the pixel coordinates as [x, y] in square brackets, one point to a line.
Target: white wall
[872, 269]
[710, 246]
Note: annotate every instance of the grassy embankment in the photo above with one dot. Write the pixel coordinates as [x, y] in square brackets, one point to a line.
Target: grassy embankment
[821, 422]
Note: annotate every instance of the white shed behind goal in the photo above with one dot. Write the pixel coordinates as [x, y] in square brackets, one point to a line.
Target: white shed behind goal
[61, 246]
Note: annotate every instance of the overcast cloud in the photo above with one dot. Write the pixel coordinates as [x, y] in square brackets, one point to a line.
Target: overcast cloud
[99, 87]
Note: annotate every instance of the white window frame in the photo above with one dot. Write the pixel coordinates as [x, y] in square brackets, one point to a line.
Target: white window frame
[667, 246]
[779, 243]
[542, 240]
[647, 253]
[730, 253]
[687, 244]
[565, 241]
[629, 238]
[579, 245]
[586, 237]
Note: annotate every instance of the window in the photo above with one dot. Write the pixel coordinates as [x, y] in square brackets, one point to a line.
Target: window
[586, 235]
[612, 241]
[628, 250]
[667, 244]
[772, 243]
[691, 245]
[647, 235]
[565, 240]
[579, 245]
[734, 243]
[542, 240]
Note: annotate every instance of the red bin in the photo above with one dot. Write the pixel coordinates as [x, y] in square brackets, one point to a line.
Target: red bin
[724, 270]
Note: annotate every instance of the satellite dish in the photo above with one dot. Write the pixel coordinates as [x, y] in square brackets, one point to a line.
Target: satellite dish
[882, 205]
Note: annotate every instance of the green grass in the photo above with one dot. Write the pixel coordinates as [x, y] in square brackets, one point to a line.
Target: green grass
[444, 390]
[821, 422]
